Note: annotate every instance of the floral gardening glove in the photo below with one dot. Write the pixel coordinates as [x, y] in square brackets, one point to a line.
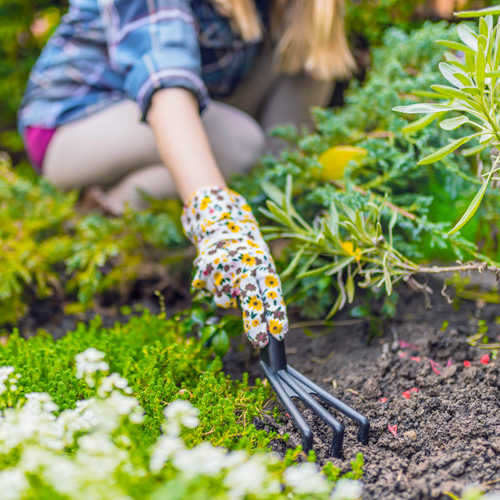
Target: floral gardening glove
[234, 261]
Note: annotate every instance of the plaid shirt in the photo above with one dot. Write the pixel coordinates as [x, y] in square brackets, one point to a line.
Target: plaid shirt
[105, 51]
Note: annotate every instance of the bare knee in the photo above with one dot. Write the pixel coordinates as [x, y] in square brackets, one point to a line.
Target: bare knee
[237, 140]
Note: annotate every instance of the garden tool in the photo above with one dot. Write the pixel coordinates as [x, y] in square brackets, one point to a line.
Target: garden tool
[288, 383]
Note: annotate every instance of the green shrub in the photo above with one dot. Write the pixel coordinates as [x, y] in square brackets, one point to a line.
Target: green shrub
[47, 247]
[428, 199]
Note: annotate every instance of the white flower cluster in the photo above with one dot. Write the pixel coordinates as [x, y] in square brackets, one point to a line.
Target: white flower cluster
[85, 452]
[88, 363]
[8, 379]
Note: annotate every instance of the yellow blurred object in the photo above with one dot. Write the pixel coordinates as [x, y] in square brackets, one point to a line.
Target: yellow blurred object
[348, 248]
[334, 161]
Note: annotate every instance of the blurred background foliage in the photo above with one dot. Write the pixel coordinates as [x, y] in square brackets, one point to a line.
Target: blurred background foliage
[401, 62]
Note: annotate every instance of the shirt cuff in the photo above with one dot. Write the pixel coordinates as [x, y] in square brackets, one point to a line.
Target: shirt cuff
[145, 78]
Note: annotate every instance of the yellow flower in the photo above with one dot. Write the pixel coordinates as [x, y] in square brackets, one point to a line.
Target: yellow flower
[246, 207]
[255, 322]
[218, 277]
[275, 326]
[225, 216]
[204, 203]
[248, 259]
[199, 284]
[230, 304]
[271, 281]
[348, 248]
[233, 227]
[255, 304]
[272, 295]
[252, 244]
[216, 261]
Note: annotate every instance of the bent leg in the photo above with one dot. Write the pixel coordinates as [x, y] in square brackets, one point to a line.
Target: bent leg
[115, 151]
[100, 149]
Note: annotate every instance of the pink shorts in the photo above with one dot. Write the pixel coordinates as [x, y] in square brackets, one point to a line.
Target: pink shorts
[37, 140]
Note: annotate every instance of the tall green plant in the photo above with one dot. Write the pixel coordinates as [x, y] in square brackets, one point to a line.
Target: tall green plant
[472, 95]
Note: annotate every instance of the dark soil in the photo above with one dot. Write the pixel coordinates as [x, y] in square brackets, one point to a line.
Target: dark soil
[448, 429]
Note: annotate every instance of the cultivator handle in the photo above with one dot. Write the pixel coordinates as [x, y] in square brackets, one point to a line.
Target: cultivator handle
[288, 383]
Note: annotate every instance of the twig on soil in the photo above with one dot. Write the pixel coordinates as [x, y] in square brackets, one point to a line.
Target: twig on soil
[491, 482]
[445, 295]
[323, 360]
[356, 393]
[322, 322]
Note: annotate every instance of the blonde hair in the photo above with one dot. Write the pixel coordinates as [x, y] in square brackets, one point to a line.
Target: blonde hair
[309, 35]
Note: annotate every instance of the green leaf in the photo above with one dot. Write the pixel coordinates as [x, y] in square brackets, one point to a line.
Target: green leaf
[451, 58]
[422, 108]
[483, 31]
[471, 91]
[473, 206]
[421, 123]
[449, 91]
[448, 71]
[441, 153]
[480, 12]
[329, 269]
[293, 263]
[480, 69]
[277, 214]
[207, 332]
[350, 288]
[392, 223]
[426, 94]
[455, 46]
[336, 306]
[492, 74]
[273, 193]
[474, 150]
[467, 36]
[453, 123]
[220, 343]
[387, 276]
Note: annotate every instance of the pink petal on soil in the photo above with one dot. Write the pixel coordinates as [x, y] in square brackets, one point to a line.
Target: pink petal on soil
[414, 389]
[407, 345]
[467, 364]
[434, 366]
[393, 429]
[485, 359]
[406, 394]
[449, 362]
[383, 400]
[416, 358]
[402, 354]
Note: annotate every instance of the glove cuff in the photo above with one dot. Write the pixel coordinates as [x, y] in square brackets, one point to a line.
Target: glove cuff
[213, 214]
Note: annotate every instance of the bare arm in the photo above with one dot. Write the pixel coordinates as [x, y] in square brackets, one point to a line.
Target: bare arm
[182, 142]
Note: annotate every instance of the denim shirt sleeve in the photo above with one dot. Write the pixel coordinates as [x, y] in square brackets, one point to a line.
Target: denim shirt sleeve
[154, 44]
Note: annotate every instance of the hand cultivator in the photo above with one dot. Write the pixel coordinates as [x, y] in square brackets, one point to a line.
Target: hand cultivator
[288, 383]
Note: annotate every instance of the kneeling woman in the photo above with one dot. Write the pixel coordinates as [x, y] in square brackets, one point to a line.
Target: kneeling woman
[170, 97]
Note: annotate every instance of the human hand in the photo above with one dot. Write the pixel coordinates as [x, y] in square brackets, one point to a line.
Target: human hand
[235, 262]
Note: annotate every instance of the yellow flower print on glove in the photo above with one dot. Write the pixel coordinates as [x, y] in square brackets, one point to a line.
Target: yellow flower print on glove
[234, 262]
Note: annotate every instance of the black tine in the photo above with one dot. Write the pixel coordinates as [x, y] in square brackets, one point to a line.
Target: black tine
[289, 383]
[364, 423]
[295, 415]
[312, 404]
